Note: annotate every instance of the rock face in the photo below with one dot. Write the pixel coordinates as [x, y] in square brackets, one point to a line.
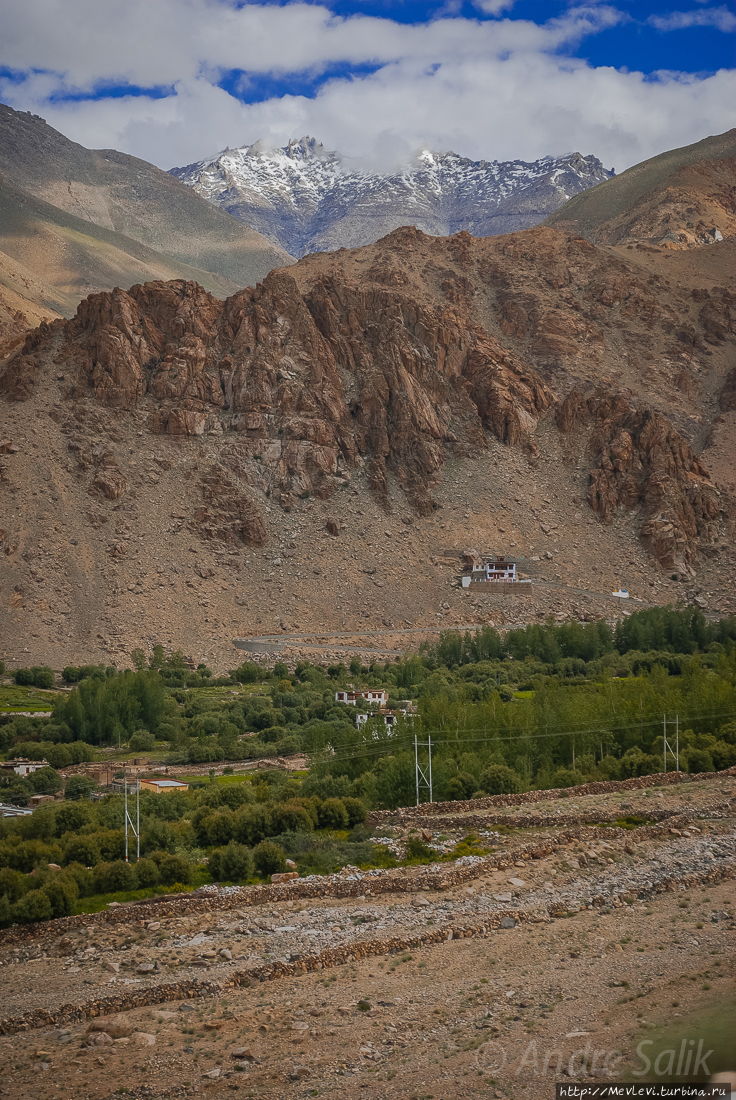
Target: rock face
[308, 199]
[314, 376]
[642, 463]
[328, 443]
[298, 389]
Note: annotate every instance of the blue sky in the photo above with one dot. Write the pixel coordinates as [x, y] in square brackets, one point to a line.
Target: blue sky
[173, 81]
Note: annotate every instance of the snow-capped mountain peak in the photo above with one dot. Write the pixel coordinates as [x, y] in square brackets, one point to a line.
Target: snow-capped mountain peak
[308, 198]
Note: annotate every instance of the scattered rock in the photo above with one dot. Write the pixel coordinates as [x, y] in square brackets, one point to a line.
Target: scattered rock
[143, 1038]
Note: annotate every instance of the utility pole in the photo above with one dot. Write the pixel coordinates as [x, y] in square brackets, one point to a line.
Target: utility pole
[666, 746]
[422, 778]
[130, 828]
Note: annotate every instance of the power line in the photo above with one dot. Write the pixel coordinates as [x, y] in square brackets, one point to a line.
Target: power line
[378, 749]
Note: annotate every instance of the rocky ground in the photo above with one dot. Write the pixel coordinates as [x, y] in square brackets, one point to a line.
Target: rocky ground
[562, 942]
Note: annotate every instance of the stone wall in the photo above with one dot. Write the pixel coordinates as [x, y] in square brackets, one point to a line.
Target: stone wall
[337, 956]
[660, 779]
[370, 884]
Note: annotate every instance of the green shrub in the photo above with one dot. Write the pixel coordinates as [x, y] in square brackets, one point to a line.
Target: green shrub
[81, 849]
[29, 854]
[158, 836]
[271, 734]
[83, 877]
[112, 877]
[253, 824]
[723, 754]
[698, 760]
[36, 905]
[247, 673]
[38, 676]
[455, 790]
[498, 779]
[141, 741]
[232, 864]
[147, 873]
[269, 858]
[62, 892]
[220, 828]
[12, 884]
[171, 869]
[205, 752]
[333, 814]
[111, 842]
[356, 811]
[417, 849]
[6, 913]
[70, 817]
[292, 817]
[567, 777]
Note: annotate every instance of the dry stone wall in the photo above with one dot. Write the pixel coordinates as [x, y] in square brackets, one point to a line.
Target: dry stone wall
[337, 956]
[660, 779]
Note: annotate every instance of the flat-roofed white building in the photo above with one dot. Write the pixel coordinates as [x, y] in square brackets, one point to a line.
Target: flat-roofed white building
[369, 695]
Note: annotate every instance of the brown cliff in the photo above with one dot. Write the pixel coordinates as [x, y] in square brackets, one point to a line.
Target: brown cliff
[475, 391]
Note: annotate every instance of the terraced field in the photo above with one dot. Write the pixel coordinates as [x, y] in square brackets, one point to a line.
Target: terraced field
[562, 950]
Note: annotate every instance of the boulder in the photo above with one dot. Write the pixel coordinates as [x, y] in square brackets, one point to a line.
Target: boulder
[117, 1025]
[143, 1039]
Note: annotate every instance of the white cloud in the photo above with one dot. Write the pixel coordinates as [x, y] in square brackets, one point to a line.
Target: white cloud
[722, 19]
[493, 89]
[494, 7]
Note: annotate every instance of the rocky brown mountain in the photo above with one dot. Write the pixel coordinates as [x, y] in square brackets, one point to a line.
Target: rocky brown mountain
[683, 198]
[315, 451]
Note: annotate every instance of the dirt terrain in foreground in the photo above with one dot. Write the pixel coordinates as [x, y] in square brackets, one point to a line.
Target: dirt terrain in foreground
[607, 940]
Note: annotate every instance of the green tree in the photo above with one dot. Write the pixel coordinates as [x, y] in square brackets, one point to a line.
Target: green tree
[142, 741]
[138, 659]
[332, 814]
[78, 787]
[35, 906]
[45, 781]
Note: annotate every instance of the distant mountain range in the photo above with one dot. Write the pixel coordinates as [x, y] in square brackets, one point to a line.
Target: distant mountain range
[308, 199]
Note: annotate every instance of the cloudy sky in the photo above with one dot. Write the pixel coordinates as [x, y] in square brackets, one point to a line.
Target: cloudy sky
[173, 81]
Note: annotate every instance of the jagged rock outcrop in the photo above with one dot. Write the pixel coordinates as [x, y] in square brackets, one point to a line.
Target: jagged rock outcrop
[642, 462]
[301, 389]
[384, 365]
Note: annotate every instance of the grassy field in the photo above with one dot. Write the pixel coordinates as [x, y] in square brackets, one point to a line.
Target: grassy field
[14, 699]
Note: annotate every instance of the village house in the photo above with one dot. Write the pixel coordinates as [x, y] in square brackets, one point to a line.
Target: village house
[493, 568]
[163, 786]
[389, 716]
[369, 695]
[21, 766]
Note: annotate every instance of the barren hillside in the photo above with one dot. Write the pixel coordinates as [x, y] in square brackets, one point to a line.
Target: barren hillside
[316, 452]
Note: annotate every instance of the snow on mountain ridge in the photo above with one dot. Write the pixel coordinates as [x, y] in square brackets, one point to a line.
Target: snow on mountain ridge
[309, 199]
